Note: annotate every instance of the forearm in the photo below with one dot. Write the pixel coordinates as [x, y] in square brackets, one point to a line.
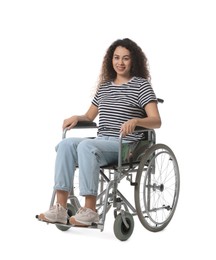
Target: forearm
[83, 118]
[148, 122]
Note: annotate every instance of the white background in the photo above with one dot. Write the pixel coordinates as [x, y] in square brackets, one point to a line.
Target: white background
[50, 58]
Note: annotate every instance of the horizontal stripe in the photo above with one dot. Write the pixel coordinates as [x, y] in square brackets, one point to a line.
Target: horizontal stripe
[120, 103]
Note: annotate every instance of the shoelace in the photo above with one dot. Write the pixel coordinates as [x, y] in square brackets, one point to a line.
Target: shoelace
[82, 209]
[55, 207]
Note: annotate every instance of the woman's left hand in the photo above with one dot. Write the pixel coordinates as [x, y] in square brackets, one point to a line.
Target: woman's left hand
[128, 127]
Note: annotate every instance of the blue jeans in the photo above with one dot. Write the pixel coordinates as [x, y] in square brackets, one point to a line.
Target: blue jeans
[89, 155]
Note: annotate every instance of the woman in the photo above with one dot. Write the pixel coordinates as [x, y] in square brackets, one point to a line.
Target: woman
[124, 99]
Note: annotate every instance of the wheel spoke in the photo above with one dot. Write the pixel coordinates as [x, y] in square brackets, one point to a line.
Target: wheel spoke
[157, 190]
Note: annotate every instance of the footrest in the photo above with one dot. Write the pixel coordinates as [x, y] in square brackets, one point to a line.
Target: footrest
[68, 225]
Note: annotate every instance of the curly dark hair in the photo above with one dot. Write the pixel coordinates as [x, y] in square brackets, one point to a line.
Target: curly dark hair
[139, 61]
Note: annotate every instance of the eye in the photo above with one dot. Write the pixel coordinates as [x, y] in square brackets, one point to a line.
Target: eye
[126, 58]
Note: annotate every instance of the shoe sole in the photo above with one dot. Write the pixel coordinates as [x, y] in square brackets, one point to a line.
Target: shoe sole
[42, 217]
[73, 222]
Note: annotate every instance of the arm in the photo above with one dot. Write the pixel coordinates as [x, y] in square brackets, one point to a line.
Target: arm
[152, 120]
[90, 115]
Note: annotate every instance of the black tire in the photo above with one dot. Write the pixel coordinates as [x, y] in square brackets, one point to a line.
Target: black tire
[120, 230]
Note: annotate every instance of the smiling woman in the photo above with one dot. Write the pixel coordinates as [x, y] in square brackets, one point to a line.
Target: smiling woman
[124, 100]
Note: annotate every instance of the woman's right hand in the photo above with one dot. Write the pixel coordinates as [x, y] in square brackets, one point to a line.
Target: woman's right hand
[70, 122]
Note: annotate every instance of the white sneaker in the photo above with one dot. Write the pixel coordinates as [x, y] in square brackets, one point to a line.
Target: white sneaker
[56, 214]
[84, 216]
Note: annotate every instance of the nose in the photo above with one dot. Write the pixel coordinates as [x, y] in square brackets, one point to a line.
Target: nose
[121, 61]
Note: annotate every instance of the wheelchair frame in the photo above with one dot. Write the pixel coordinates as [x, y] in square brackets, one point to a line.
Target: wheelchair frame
[156, 182]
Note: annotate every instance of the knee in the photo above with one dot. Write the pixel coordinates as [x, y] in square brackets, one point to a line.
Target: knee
[85, 146]
[61, 144]
[65, 144]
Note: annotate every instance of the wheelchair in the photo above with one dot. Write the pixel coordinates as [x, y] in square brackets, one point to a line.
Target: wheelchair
[150, 168]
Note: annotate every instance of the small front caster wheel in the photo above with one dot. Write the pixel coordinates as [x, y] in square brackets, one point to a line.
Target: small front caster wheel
[121, 231]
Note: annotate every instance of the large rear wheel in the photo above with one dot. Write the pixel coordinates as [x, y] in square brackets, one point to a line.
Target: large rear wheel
[157, 187]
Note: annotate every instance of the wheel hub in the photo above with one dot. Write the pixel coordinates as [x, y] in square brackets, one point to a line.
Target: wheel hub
[158, 187]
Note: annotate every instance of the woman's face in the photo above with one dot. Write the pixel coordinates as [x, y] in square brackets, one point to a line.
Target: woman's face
[121, 61]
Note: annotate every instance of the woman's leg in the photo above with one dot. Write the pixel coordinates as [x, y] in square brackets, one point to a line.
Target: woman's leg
[66, 162]
[65, 165]
[62, 197]
[90, 202]
[92, 154]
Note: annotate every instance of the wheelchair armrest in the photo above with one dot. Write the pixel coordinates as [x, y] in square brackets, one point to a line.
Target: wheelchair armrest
[86, 124]
[160, 100]
[80, 124]
[140, 128]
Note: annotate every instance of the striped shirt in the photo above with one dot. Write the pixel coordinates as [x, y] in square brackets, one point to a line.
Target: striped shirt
[119, 103]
